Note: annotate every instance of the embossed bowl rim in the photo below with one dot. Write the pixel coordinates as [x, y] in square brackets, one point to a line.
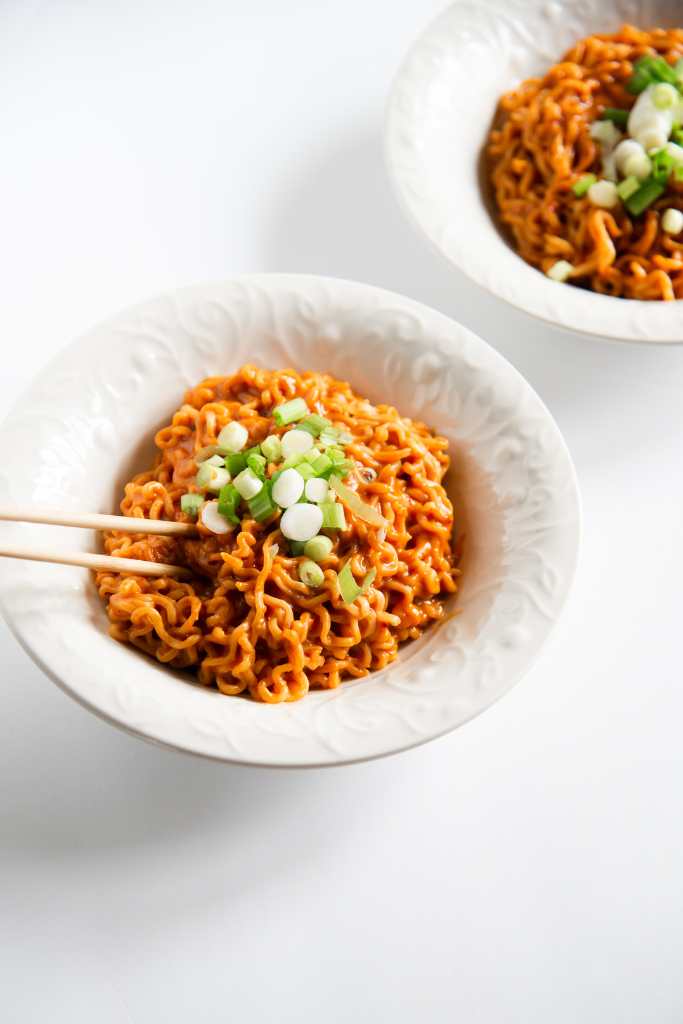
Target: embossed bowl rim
[438, 114]
[514, 484]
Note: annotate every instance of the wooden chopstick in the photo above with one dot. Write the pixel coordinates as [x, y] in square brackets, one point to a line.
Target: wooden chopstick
[86, 560]
[96, 521]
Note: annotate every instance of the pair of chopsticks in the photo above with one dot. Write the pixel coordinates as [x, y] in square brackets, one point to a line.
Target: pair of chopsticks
[95, 521]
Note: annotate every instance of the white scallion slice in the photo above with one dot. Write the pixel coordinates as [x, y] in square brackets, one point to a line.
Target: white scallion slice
[215, 460]
[211, 478]
[296, 442]
[560, 271]
[272, 448]
[355, 504]
[318, 548]
[672, 221]
[311, 574]
[288, 488]
[248, 484]
[316, 489]
[301, 522]
[233, 437]
[213, 520]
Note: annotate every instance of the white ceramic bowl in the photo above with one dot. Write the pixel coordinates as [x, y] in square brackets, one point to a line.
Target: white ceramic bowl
[439, 114]
[87, 423]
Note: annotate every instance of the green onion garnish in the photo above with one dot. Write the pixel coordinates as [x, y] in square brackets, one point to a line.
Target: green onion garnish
[333, 515]
[296, 547]
[662, 165]
[356, 504]
[645, 196]
[272, 448]
[616, 116]
[580, 187]
[190, 504]
[318, 548]
[214, 460]
[248, 484]
[314, 424]
[329, 436]
[322, 464]
[311, 574]
[305, 469]
[235, 463]
[228, 500]
[627, 187]
[650, 69]
[336, 455]
[292, 462]
[257, 464]
[289, 412]
[262, 506]
[348, 588]
[677, 136]
[311, 455]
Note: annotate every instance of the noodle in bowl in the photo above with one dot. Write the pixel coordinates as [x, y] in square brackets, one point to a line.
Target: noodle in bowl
[438, 129]
[86, 428]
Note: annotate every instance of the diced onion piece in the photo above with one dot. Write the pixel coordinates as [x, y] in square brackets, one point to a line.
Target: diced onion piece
[316, 489]
[333, 515]
[190, 504]
[672, 221]
[272, 448]
[311, 574]
[288, 488]
[355, 504]
[301, 522]
[603, 194]
[664, 96]
[248, 484]
[606, 133]
[296, 442]
[560, 271]
[637, 166]
[212, 478]
[213, 520]
[627, 148]
[647, 124]
[233, 437]
[318, 548]
[348, 588]
[289, 412]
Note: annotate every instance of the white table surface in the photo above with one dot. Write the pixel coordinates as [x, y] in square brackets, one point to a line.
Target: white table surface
[524, 869]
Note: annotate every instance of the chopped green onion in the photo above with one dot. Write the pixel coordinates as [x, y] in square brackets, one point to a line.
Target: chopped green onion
[305, 469]
[296, 547]
[314, 424]
[329, 436]
[627, 187]
[248, 484]
[234, 436]
[311, 574]
[289, 412]
[580, 187]
[665, 96]
[645, 196]
[678, 172]
[272, 448]
[235, 463]
[336, 455]
[318, 548]
[662, 165]
[214, 460]
[345, 437]
[333, 515]
[211, 478]
[618, 117]
[262, 506]
[190, 504]
[677, 136]
[348, 588]
[356, 504]
[650, 69]
[311, 455]
[257, 464]
[292, 462]
[228, 501]
[323, 464]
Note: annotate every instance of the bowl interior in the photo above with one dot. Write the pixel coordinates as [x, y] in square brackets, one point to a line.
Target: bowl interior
[87, 425]
[442, 105]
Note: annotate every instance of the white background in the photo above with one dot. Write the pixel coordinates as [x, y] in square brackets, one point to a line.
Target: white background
[525, 869]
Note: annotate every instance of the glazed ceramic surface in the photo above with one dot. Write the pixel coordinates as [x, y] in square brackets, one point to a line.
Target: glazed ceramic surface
[87, 424]
[440, 111]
